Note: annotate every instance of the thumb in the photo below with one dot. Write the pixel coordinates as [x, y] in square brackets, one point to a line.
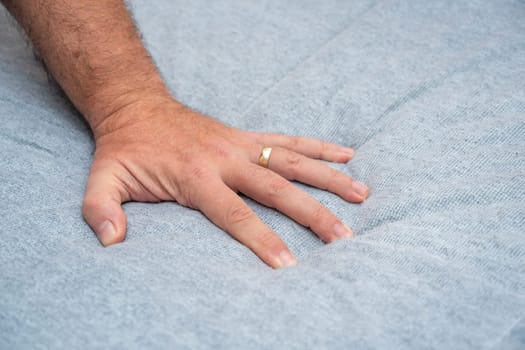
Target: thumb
[101, 207]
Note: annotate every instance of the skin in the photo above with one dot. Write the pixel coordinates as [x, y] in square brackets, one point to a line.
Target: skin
[151, 148]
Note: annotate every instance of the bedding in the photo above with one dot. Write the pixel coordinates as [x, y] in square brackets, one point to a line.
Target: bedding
[430, 94]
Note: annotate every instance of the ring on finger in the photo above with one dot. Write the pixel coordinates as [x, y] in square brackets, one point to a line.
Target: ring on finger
[264, 158]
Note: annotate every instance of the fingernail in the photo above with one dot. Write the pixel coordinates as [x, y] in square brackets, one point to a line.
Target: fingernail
[341, 230]
[286, 259]
[360, 188]
[349, 151]
[106, 232]
[345, 153]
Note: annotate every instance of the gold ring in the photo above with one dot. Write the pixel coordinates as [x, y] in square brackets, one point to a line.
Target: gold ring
[264, 158]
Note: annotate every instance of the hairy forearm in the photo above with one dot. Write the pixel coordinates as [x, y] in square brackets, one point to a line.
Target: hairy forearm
[92, 49]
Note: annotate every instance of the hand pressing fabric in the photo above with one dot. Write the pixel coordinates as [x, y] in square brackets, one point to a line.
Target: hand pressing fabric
[161, 151]
[151, 148]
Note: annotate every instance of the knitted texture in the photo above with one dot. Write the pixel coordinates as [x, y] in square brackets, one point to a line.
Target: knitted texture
[431, 94]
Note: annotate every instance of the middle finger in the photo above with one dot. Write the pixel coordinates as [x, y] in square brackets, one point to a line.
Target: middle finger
[274, 191]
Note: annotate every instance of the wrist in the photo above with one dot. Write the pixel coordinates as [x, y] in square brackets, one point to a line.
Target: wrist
[135, 109]
[109, 98]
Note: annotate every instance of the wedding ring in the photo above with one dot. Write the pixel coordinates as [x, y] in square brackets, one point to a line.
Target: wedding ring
[264, 158]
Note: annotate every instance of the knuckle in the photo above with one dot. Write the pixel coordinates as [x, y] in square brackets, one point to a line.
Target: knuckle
[317, 214]
[253, 172]
[335, 175]
[279, 186]
[218, 148]
[193, 179]
[200, 173]
[237, 214]
[89, 204]
[269, 242]
[294, 160]
[338, 181]
[294, 142]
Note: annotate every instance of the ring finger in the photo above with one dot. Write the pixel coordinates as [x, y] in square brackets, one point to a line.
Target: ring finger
[295, 166]
[310, 147]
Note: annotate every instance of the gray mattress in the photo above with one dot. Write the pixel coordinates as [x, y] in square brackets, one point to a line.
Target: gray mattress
[430, 94]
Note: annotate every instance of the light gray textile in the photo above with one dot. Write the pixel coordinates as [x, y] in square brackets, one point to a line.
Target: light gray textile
[431, 94]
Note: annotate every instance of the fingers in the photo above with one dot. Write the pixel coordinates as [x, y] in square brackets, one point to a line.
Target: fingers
[275, 191]
[294, 166]
[311, 148]
[228, 211]
[101, 207]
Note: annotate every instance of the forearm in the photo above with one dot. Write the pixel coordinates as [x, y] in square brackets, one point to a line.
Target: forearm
[149, 149]
[92, 49]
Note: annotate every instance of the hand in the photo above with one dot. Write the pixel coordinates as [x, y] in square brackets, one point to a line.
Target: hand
[157, 150]
[162, 151]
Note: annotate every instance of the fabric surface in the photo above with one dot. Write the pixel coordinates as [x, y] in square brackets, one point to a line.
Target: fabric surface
[431, 94]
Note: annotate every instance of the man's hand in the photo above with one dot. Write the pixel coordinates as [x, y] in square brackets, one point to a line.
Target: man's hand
[151, 148]
[159, 151]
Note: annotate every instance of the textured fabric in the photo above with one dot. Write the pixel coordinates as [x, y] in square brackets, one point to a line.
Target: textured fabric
[431, 94]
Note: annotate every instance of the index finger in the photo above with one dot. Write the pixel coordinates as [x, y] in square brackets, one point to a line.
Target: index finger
[228, 211]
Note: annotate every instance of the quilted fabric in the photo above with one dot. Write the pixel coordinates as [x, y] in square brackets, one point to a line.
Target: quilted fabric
[431, 94]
